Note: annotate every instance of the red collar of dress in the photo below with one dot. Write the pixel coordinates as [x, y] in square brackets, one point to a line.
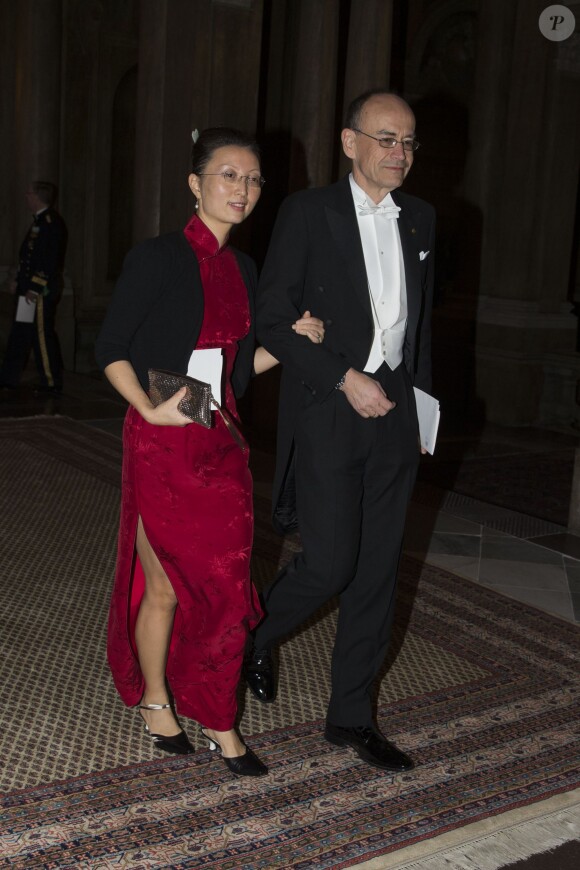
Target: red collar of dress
[201, 238]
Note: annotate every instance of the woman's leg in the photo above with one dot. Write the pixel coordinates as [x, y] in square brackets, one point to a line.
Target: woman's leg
[152, 636]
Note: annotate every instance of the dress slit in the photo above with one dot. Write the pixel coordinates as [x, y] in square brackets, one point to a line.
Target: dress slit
[192, 488]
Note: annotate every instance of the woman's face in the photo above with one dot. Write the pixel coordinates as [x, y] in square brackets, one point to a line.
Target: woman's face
[223, 202]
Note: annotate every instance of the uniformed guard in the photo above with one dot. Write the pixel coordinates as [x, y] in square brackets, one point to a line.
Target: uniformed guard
[38, 287]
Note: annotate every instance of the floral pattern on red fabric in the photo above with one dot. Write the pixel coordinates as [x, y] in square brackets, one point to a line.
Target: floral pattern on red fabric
[193, 490]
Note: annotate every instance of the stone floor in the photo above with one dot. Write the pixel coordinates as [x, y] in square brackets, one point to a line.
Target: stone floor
[536, 571]
[523, 557]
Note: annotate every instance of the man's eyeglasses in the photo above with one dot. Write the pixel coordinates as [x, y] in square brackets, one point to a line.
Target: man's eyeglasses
[253, 181]
[390, 141]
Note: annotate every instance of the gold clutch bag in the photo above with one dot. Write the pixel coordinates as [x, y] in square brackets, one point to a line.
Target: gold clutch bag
[197, 403]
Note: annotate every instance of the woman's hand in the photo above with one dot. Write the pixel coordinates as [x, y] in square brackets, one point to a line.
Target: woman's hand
[307, 325]
[122, 376]
[167, 413]
[310, 326]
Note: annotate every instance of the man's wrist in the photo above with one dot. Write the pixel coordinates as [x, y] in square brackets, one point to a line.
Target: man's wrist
[341, 382]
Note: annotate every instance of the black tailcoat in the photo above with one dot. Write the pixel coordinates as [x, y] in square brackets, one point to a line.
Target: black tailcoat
[315, 262]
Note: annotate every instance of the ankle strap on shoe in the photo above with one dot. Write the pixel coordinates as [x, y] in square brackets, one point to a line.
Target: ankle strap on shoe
[154, 706]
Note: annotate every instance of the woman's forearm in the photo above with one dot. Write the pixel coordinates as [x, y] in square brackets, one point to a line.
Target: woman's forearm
[263, 360]
[122, 376]
[311, 327]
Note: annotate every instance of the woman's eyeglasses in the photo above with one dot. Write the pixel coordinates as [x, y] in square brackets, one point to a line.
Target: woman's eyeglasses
[253, 181]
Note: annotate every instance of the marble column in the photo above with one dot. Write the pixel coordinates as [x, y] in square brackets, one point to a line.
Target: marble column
[199, 65]
[150, 116]
[37, 94]
[99, 57]
[30, 82]
[368, 58]
[314, 93]
[523, 174]
[8, 13]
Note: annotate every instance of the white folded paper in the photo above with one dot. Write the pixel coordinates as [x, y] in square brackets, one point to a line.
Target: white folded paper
[207, 365]
[25, 311]
[429, 413]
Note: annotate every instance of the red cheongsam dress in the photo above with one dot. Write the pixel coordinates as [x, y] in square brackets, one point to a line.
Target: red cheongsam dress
[192, 488]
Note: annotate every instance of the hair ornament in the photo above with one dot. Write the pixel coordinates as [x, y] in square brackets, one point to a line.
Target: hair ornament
[195, 135]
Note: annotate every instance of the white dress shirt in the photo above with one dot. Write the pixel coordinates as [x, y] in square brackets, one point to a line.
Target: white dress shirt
[385, 269]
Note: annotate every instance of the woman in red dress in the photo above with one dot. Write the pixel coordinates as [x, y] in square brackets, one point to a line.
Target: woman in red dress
[183, 603]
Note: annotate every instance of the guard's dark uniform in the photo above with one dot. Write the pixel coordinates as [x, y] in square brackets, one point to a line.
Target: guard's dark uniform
[41, 263]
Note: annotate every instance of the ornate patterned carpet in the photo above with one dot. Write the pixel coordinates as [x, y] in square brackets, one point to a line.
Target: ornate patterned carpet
[483, 691]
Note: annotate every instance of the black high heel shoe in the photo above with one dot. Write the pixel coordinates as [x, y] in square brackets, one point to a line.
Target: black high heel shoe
[178, 743]
[247, 764]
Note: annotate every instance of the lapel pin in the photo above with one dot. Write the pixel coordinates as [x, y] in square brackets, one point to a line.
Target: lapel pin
[413, 230]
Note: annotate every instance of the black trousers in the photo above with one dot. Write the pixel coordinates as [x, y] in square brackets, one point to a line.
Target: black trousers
[354, 479]
[41, 337]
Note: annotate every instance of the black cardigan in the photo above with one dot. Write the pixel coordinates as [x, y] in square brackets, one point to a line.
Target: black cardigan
[156, 311]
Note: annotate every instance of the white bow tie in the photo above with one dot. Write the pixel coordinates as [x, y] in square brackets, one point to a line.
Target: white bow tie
[389, 211]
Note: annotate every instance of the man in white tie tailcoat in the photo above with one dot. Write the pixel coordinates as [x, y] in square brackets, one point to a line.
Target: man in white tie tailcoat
[359, 255]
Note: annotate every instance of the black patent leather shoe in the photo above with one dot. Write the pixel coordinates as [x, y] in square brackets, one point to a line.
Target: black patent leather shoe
[260, 676]
[177, 744]
[247, 764]
[370, 745]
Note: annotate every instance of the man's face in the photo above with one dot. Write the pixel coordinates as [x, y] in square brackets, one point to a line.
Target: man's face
[32, 200]
[380, 170]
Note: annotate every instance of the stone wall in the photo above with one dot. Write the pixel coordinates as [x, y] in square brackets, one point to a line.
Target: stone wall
[107, 106]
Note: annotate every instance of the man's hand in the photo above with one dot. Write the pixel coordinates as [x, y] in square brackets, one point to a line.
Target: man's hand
[366, 395]
[31, 297]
